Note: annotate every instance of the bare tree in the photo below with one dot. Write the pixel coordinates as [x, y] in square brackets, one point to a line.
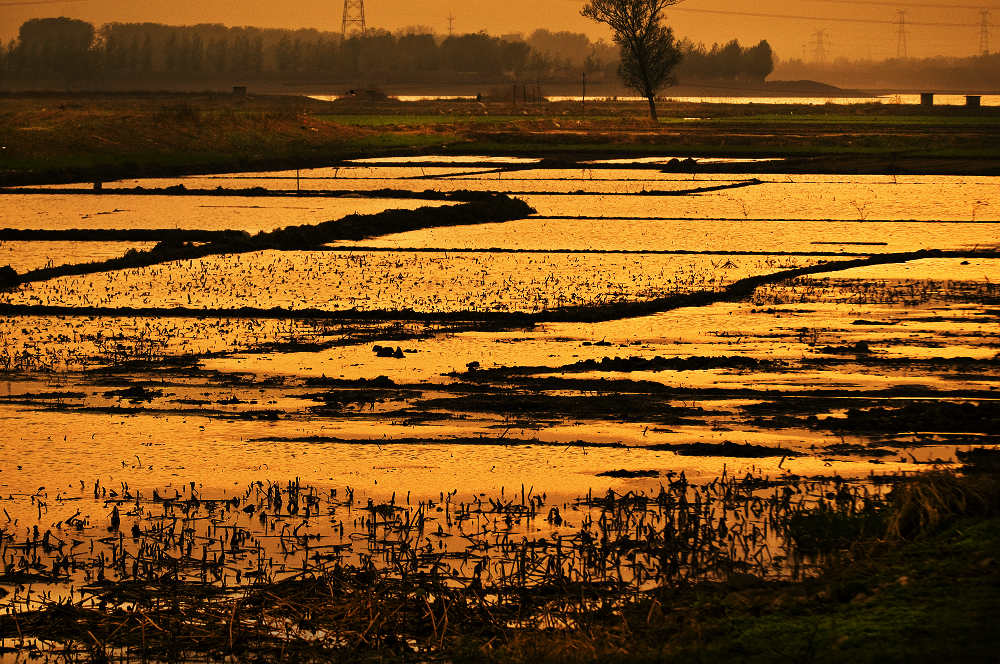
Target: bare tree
[649, 52]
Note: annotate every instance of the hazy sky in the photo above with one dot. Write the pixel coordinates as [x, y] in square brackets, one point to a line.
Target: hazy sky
[791, 37]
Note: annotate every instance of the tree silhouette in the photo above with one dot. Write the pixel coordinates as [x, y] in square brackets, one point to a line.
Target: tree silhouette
[649, 52]
[56, 45]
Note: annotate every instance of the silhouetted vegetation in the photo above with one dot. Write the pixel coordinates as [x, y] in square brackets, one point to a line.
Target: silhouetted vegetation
[727, 62]
[60, 51]
[649, 53]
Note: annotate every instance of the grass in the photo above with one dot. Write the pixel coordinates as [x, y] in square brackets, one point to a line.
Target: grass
[85, 137]
[933, 598]
[793, 117]
[420, 120]
[936, 599]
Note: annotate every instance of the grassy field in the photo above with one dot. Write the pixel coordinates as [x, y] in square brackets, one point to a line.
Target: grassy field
[66, 137]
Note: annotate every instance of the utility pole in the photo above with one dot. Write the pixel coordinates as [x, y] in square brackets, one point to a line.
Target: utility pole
[984, 32]
[451, 24]
[354, 17]
[901, 50]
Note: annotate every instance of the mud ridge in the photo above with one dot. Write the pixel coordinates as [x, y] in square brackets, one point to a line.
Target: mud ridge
[724, 449]
[493, 208]
[461, 195]
[640, 252]
[867, 222]
[462, 440]
[630, 364]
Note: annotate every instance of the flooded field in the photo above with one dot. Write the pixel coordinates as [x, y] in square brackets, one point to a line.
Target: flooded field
[644, 382]
[612, 193]
[399, 280]
[203, 213]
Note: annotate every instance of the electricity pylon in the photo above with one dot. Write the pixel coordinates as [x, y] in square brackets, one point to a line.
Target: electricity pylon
[901, 50]
[354, 17]
[984, 32]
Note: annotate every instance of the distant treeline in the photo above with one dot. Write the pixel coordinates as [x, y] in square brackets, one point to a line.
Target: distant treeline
[729, 62]
[62, 51]
[979, 73]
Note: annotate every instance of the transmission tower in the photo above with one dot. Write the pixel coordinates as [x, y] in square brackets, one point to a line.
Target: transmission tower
[451, 24]
[984, 32]
[901, 50]
[354, 17]
[819, 43]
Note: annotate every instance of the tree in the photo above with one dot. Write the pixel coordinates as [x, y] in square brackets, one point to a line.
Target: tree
[761, 61]
[56, 45]
[649, 52]
[730, 58]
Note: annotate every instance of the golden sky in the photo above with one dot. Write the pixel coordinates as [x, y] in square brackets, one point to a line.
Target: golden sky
[792, 36]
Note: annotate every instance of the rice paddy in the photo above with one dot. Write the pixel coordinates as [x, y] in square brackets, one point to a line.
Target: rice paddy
[420, 436]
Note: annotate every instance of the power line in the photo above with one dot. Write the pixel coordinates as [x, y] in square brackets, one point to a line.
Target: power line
[835, 19]
[908, 5]
[24, 3]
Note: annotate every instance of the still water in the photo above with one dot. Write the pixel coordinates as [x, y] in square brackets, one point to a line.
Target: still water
[213, 389]
[940, 99]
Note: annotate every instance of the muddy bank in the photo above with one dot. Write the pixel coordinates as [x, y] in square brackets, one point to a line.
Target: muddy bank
[628, 365]
[724, 449]
[451, 440]
[594, 251]
[429, 194]
[851, 449]
[461, 195]
[938, 416]
[625, 407]
[629, 474]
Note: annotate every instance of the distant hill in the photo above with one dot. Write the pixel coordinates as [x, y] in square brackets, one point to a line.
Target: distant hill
[807, 87]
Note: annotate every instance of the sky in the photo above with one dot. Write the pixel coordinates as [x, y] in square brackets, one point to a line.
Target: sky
[850, 28]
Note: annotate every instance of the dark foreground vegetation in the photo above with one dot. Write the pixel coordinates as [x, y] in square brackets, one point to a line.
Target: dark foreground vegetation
[910, 577]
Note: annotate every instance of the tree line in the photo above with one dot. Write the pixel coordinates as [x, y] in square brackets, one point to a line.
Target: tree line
[74, 52]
